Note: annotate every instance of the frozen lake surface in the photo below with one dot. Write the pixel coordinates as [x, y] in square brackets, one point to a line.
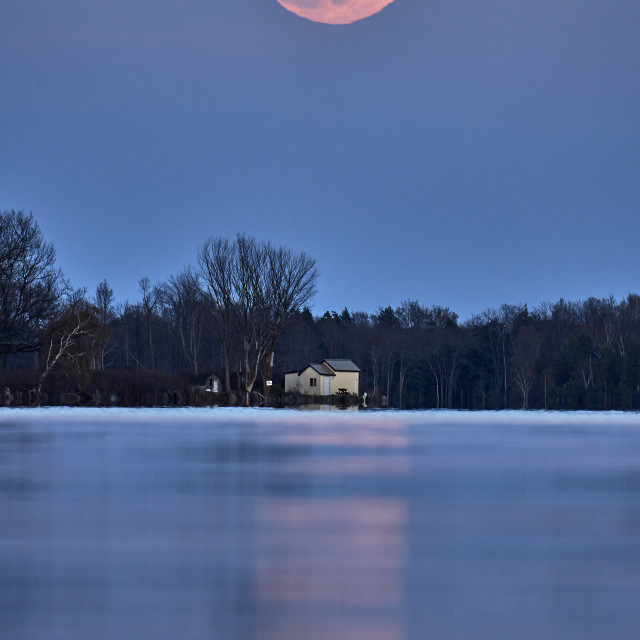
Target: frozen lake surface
[283, 525]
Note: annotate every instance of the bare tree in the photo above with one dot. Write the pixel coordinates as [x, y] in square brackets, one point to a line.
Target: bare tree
[69, 340]
[150, 299]
[254, 288]
[290, 285]
[250, 285]
[216, 261]
[498, 328]
[104, 303]
[387, 327]
[526, 349]
[30, 284]
[184, 295]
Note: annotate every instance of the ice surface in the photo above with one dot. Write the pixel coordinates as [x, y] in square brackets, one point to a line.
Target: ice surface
[283, 524]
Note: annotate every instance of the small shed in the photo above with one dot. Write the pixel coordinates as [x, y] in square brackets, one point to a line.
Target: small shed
[213, 384]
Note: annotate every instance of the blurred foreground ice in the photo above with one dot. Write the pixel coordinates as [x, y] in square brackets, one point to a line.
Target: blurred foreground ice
[267, 524]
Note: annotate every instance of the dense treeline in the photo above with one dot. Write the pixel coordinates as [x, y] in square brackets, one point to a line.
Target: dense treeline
[566, 355]
[58, 343]
[240, 313]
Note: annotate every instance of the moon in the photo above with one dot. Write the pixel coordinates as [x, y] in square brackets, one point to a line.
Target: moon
[335, 11]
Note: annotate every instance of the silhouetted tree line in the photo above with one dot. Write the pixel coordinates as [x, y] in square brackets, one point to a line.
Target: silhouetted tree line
[565, 355]
[241, 313]
[60, 344]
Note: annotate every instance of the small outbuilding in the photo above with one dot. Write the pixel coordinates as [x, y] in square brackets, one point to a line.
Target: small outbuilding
[324, 379]
[213, 384]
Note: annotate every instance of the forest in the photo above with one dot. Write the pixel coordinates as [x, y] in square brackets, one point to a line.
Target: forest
[242, 312]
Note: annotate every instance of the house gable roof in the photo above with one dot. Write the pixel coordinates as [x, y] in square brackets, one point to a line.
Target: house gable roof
[321, 369]
[341, 365]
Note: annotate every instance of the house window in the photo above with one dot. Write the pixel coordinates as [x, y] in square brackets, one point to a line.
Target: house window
[313, 382]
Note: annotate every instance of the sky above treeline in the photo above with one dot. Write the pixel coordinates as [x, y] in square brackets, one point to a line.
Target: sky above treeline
[461, 153]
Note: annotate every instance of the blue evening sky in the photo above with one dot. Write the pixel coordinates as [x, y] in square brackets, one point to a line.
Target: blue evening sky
[461, 153]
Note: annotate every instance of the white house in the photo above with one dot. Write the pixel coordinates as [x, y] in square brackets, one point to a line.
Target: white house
[324, 379]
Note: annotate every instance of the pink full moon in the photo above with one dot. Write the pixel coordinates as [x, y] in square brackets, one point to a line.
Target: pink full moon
[335, 11]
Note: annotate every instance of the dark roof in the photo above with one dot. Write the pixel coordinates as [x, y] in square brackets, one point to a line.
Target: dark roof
[341, 365]
[320, 368]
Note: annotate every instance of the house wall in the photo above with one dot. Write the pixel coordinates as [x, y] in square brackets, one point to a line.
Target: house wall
[294, 383]
[349, 380]
[291, 382]
[303, 383]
